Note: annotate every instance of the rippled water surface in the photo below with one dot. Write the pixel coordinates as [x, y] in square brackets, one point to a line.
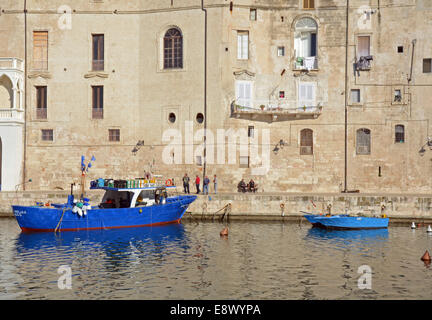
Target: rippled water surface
[191, 261]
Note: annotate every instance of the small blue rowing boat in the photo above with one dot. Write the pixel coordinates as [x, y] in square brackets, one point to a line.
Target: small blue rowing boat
[148, 205]
[346, 222]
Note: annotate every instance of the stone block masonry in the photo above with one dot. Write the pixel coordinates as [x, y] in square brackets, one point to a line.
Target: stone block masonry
[265, 206]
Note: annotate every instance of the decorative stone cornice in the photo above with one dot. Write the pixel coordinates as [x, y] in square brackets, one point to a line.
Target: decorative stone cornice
[42, 74]
[93, 74]
[244, 74]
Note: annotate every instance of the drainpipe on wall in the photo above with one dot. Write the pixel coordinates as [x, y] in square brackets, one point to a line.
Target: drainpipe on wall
[346, 99]
[25, 95]
[205, 89]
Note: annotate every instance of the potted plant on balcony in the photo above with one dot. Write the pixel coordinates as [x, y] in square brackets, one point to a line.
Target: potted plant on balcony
[262, 107]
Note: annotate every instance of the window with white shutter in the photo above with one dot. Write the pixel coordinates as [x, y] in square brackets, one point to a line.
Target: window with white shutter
[306, 94]
[242, 45]
[244, 93]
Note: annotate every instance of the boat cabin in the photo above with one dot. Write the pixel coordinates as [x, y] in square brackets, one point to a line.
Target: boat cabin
[131, 198]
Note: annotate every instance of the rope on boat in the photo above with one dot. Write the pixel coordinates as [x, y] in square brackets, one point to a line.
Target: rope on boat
[61, 218]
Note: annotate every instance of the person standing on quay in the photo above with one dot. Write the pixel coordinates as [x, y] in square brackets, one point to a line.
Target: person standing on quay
[197, 183]
[215, 184]
[186, 183]
[206, 183]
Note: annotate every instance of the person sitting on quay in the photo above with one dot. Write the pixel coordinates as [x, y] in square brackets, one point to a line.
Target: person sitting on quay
[241, 187]
[252, 187]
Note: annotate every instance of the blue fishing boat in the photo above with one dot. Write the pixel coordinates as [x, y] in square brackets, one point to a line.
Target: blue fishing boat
[130, 205]
[346, 222]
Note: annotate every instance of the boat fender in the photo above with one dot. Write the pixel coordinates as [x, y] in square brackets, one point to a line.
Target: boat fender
[413, 226]
[429, 229]
[80, 212]
[75, 209]
[168, 183]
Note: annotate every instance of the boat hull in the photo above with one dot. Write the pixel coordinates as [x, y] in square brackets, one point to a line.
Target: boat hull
[42, 219]
[344, 222]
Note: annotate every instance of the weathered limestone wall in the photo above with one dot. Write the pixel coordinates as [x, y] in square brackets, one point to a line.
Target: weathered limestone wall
[139, 94]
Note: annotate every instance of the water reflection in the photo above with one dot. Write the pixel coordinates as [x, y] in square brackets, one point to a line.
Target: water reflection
[119, 244]
[348, 235]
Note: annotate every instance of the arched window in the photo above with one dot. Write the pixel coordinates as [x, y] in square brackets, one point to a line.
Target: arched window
[399, 133]
[306, 141]
[173, 49]
[6, 101]
[305, 43]
[363, 145]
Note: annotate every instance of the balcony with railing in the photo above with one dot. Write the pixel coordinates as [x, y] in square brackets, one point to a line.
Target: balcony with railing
[274, 110]
[11, 115]
[11, 64]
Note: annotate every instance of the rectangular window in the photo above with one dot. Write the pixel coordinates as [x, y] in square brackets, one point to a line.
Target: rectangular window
[308, 4]
[281, 94]
[41, 102]
[253, 14]
[242, 45]
[363, 49]
[198, 160]
[355, 96]
[427, 65]
[281, 51]
[98, 52]
[244, 161]
[47, 135]
[251, 131]
[244, 93]
[114, 135]
[397, 95]
[306, 94]
[400, 49]
[97, 102]
[40, 50]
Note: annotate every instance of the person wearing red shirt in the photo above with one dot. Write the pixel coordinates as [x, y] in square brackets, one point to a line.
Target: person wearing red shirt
[197, 183]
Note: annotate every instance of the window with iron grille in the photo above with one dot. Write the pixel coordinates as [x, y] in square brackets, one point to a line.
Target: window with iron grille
[47, 135]
[114, 135]
[363, 145]
[173, 49]
[306, 142]
[40, 50]
[98, 52]
[399, 133]
[97, 102]
[41, 102]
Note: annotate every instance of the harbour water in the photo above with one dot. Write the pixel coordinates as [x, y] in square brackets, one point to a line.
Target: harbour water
[258, 260]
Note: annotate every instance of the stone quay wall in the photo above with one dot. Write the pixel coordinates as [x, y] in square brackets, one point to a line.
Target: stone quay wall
[263, 206]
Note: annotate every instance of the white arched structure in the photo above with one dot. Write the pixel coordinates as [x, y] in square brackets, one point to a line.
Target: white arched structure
[11, 122]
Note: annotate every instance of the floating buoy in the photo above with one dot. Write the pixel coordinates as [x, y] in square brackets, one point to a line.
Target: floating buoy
[426, 256]
[413, 226]
[224, 232]
[429, 229]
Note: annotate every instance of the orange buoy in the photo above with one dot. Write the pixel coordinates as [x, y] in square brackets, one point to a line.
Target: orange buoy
[169, 183]
[224, 232]
[426, 256]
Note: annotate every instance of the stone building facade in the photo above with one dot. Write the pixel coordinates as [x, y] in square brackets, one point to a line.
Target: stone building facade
[331, 95]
